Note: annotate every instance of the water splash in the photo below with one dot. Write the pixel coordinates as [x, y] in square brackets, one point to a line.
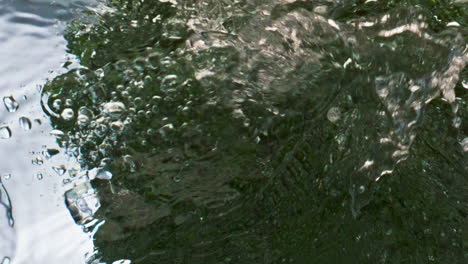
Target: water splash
[276, 116]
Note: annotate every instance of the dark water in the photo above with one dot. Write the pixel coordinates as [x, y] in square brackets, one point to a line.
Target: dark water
[270, 131]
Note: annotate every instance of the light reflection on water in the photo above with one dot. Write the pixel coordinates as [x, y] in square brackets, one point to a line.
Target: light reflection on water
[235, 162]
[40, 172]
[40, 229]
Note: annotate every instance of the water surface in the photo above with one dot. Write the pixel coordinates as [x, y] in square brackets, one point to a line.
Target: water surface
[36, 226]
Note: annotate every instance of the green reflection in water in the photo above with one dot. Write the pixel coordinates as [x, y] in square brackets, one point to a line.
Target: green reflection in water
[271, 132]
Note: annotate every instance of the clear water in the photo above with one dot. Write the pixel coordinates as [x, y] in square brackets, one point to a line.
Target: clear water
[280, 131]
[35, 224]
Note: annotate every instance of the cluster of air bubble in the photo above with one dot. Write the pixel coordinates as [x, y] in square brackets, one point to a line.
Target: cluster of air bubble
[157, 98]
[11, 106]
[148, 101]
[272, 90]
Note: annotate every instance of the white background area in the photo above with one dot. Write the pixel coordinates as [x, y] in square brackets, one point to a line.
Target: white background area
[32, 49]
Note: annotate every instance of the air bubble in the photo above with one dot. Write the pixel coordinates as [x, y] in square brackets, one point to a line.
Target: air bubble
[114, 109]
[37, 161]
[124, 94]
[456, 122]
[156, 98]
[99, 73]
[120, 88]
[150, 132]
[25, 123]
[138, 101]
[153, 60]
[105, 149]
[166, 129]
[82, 120]
[73, 172]
[60, 170]
[148, 114]
[5, 132]
[57, 133]
[362, 189]
[117, 126]
[67, 114]
[85, 111]
[105, 162]
[176, 178]
[464, 144]
[57, 104]
[39, 176]
[101, 130]
[334, 114]
[121, 261]
[10, 103]
[104, 175]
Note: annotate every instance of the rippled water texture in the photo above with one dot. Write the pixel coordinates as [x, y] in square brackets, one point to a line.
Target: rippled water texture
[271, 131]
[261, 131]
[35, 224]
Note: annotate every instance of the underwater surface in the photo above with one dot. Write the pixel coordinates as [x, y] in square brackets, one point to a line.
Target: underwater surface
[237, 131]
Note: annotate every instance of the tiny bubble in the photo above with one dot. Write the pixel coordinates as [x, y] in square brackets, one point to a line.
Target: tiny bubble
[5, 132]
[25, 123]
[362, 189]
[10, 103]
